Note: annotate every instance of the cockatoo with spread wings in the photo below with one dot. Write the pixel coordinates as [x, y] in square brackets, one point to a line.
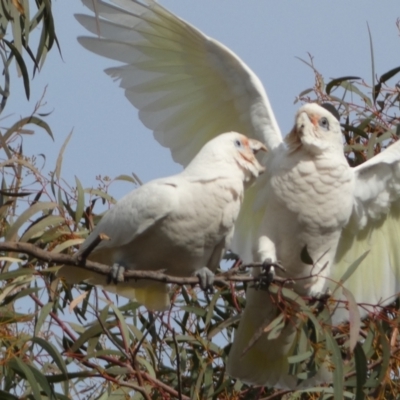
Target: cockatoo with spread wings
[188, 88]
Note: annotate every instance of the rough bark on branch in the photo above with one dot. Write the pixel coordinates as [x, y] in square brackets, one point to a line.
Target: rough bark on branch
[65, 259]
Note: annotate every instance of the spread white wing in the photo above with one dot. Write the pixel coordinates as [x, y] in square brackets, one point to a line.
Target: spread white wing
[375, 228]
[187, 87]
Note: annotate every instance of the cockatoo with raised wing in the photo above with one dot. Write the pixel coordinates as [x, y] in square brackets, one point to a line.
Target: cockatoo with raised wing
[187, 88]
[181, 224]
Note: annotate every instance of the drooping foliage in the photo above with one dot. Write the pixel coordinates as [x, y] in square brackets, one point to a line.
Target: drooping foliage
[58, 342]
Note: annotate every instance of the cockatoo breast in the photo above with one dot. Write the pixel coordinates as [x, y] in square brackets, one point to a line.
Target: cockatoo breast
[315, 189]
[310, 201]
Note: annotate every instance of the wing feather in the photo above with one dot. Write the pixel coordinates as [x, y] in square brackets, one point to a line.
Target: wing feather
[134, 214]
[376, 281]
[187, 87]
[373, 227]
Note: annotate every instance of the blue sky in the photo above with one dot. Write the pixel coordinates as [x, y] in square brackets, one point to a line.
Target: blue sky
[109, 139]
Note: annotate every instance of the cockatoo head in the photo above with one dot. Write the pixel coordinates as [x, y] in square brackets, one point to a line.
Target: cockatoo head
[227, 154]
[316, 130]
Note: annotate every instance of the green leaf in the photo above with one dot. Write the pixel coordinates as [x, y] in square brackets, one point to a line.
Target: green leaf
[44, 312]
[398, 130]
[223, 325]
[25, 121]
[371, 46]
[53, 353]
[375, 92]
[276, 330]
[23, 370]
[16, 27]
[24, 218]
[101, 194]
[21, 64]
[7, 396]
[338, 365]
[15, 274]
[41, 379]
[20, 162]
[368, 342]
[126, 178]
[338, 81]
[19, 295]
[351, 269]
[145, 363]
[354, 318]
[289, 294]
[80, 200]
[201, 312]
[15, 194]
[385, 346]
[93, 331]
[41, 226]
[326, 391]
[390, 74]
[65, 245]
[57, 170]
[124, 326]
[361, 371]
[117, 370]
[352, 88]
[305, 91]
[299, 357]
[211, 306]
[356, 130]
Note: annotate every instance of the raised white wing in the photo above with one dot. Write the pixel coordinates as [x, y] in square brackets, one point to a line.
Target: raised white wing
[188, 87]
[374, 227]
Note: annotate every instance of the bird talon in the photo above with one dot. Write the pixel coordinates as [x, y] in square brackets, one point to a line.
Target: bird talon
[206, 278]
[268, 270]
[116, 274]
[268, 273]
[321, 299]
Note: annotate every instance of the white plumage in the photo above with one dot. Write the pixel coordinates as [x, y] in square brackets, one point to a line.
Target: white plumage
[181, 224]
[188, 87]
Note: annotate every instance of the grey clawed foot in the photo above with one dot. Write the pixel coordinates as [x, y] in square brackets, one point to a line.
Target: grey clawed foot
[268, 271]
[206, 279]
[116, 274]
[321, 299]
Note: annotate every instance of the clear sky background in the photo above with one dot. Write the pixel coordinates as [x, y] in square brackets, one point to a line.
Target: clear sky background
[108, 137]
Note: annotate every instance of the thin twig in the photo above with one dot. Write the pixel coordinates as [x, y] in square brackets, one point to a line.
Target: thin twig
[135, 365]
[178, 365]
[142, 339]
[277, 394]
[85, 253]
[106, 331]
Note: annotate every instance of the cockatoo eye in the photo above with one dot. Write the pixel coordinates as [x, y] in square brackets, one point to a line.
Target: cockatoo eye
[324, 123]
[238, 143]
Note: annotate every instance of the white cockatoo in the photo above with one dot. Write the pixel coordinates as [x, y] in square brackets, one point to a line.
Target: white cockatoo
[314, 199]
[187, 88]
[181, 224]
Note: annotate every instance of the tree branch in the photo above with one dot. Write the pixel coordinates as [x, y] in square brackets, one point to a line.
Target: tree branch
[65, 259]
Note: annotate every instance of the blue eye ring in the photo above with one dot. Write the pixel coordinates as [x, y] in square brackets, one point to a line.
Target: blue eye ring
[324, 123]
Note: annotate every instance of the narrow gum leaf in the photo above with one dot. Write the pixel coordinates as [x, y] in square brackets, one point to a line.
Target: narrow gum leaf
[354, 318]
[57, 170]
[25, 216]
[80, 205]
[361, 371]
